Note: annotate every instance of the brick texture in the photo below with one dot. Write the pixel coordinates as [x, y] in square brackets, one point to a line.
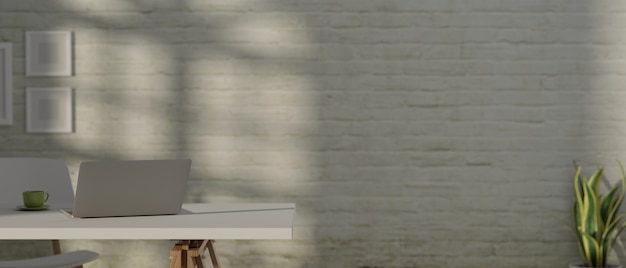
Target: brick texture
[429, 133]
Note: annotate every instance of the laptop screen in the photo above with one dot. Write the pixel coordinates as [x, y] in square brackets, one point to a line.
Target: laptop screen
[131, 187]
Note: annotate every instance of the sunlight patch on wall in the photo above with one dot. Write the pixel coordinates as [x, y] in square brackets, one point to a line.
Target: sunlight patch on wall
[121, 107]
[266, 36]
[233, 97]
[255, 125]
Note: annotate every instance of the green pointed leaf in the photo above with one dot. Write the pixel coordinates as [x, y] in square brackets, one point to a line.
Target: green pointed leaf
[596, 219]
[592, 250]
[590, 216]
[594, 180]
[608, 202]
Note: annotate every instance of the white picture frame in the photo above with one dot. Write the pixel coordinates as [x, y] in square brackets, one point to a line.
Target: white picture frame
[48, 53]
[49, 110]
[6, 84]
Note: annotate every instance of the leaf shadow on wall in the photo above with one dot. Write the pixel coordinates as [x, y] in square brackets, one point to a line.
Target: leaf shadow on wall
[148, 86]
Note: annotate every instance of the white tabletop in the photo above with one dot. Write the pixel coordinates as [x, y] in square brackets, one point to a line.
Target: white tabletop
[196, 221]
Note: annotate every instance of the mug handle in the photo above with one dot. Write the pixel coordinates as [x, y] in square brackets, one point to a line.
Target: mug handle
[47, 195]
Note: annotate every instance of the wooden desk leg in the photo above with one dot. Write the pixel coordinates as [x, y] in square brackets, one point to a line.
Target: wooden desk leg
[190, 254]
[183, 257]
[195, 254]
[189, 259]
[56, 249]
[212, 254]
[198, 262]
[184, 261]
[175, 256]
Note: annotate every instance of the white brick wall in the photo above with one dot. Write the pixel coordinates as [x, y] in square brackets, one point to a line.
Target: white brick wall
[429, 133]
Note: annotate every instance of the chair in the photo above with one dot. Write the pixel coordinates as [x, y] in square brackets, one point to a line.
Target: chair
[52, 176]
[65, 260]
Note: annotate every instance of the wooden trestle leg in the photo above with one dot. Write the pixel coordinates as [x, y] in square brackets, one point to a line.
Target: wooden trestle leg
[190, 254]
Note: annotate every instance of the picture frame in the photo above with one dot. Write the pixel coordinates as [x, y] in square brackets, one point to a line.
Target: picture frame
[49, 110]
[6, 84]
[48, 53]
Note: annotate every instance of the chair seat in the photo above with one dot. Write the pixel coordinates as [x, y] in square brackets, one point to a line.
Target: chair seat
[65, 260]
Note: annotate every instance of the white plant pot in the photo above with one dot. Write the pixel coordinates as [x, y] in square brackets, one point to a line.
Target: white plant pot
[582, 265]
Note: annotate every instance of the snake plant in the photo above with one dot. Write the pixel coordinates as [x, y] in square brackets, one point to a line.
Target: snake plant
[596, 218]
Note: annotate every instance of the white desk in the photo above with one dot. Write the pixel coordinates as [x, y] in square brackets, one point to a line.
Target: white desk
[197, 222]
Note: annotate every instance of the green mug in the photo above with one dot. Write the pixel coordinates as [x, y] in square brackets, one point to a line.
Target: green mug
[34, 199]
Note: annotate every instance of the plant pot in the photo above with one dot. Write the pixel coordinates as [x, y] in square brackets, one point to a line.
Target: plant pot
[582, 265]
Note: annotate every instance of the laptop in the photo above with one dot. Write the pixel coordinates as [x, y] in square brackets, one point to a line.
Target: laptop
[130, 188]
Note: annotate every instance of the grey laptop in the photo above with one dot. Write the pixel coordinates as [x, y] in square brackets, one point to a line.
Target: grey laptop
[130, 188]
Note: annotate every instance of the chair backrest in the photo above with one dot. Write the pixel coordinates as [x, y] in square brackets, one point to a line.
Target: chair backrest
[23, 174]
